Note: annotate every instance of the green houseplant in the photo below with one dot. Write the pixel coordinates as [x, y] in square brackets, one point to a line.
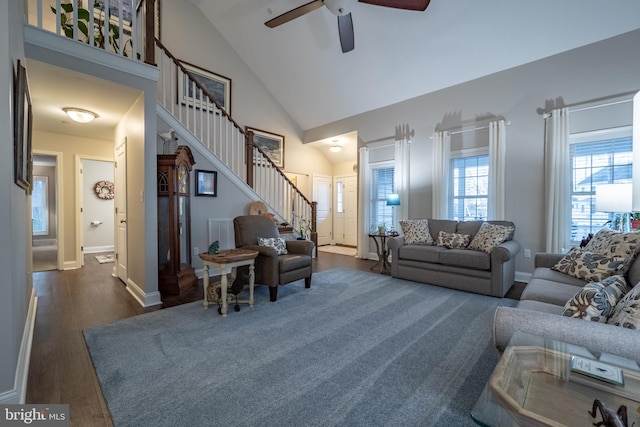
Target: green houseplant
[84, 22]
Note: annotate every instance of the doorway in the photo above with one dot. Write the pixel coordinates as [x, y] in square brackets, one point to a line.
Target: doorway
[45, 224]
[345, 196]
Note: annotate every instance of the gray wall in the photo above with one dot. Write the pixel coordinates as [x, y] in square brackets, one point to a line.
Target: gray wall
[596, 72]
[15, 253]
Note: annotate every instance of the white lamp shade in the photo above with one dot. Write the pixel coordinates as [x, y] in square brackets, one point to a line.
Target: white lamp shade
[614, 198]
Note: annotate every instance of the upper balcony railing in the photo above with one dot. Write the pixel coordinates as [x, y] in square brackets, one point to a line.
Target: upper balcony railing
[116, 26]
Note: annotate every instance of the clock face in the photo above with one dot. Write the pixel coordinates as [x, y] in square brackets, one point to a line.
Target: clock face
[183, 179]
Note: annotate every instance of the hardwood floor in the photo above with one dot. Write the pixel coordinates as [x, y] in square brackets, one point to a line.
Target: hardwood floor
[69, 301]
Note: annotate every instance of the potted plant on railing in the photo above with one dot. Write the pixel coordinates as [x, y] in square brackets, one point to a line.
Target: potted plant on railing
[84, 21]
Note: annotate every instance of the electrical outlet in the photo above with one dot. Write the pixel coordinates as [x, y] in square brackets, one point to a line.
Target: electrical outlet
[196, 250]
[527, 253]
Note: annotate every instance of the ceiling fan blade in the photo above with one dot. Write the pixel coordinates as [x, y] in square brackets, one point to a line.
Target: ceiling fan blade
[294, 13]
[420, 5]
[345, 30]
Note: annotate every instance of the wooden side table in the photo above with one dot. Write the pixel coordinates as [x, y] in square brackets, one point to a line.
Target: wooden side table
[383, 252]
[228, 260]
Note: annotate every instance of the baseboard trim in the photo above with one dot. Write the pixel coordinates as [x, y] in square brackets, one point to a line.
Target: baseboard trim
[19, 393]
[143, 298]
[521, 276]
[98, 249]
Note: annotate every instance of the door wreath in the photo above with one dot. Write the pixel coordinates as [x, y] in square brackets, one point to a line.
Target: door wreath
[104, 190]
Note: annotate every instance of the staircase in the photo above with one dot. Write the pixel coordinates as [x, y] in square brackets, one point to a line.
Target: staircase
[194, 114]
[183, 103]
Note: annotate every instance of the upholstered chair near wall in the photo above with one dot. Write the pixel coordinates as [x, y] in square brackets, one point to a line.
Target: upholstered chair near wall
[278, 262]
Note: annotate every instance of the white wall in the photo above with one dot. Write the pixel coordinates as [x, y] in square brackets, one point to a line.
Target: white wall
[520, 95]
[97, 237]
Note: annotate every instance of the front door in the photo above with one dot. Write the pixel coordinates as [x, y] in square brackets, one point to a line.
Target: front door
[120, 193]
[351, 211]
[322, 195]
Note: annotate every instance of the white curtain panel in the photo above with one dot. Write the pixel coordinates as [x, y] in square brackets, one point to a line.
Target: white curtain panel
[557, 181]
[401, 177]
[440, 169]
[497, 166]
[363, 205]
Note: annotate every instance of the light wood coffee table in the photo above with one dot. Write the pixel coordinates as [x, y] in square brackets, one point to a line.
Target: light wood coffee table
[228, 260]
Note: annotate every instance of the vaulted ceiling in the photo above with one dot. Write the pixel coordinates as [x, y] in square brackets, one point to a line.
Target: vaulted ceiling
[402, 54]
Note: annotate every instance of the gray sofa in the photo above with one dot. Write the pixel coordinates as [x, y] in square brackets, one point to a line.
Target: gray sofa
[539, 312]
[463, 269]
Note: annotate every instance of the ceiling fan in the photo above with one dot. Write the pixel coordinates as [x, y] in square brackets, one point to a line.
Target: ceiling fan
[342, 9]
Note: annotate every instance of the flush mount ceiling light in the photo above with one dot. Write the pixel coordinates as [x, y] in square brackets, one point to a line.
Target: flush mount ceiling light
[79, 115]
[335, 147]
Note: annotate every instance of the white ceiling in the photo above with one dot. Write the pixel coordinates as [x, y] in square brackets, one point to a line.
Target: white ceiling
[402, 54]
[398, 55]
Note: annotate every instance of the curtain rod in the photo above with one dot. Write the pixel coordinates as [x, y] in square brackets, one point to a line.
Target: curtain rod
[473, 130]
[608, 104]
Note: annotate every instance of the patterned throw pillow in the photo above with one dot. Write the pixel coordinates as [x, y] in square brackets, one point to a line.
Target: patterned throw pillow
[627, 312]
[613, 243]
[596, 301]
[589, 266]
[416, 232]
[453, 240]
[276, 243]
[489, 236]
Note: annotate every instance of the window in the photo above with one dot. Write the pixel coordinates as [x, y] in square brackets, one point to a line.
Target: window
[39, 206]
[469, 187]
[601, 157]
[381, 187]
[339, 197]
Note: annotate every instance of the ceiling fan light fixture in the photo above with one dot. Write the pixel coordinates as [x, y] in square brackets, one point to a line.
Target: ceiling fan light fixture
[79, 115]
[339, 7]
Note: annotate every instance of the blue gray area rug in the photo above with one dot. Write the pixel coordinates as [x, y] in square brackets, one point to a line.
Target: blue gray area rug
[356, 349]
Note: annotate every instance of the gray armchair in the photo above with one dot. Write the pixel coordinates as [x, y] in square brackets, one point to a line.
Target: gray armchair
[270, 268]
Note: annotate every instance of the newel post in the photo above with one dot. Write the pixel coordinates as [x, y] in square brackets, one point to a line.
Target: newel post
[149, 32]
[314, 231]
[248, 156]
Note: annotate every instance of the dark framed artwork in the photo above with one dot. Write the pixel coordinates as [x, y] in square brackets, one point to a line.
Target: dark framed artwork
[270, 143]
[206, 183]
[22, 121]
[219, 87]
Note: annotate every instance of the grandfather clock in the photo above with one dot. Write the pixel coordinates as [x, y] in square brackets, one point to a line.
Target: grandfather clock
[175, 273]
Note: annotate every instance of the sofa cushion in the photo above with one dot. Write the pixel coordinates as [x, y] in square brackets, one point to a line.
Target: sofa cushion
[549, 291]
[277, 243]
[465, 258]
[589, 266]
[453, 240]
[555, 276]
[416, 232]
[421, 253]
[490, 236]
[438, 225]
[543, 307]
[469, 227]
[597, 300]
[627, 311]
[613, 243]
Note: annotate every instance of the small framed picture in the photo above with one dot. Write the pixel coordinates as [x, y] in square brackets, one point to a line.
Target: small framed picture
[219, 87]
[271, 144]
[206, 183]
[22, 121]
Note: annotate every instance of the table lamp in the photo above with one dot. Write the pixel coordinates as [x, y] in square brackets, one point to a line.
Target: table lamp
[615, 198]
[393, 199]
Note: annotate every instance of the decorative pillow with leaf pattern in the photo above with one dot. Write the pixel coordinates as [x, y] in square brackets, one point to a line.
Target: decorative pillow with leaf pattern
[627, 312]
[453, 240]
[277, 243]
[416, 232]
[613, 243]
[589, 266]
[596, 301]
[490, 236]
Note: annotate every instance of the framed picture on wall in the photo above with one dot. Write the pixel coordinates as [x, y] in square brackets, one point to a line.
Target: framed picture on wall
[271, 144]
[219, 87]
[22, 122]
[206, 183]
